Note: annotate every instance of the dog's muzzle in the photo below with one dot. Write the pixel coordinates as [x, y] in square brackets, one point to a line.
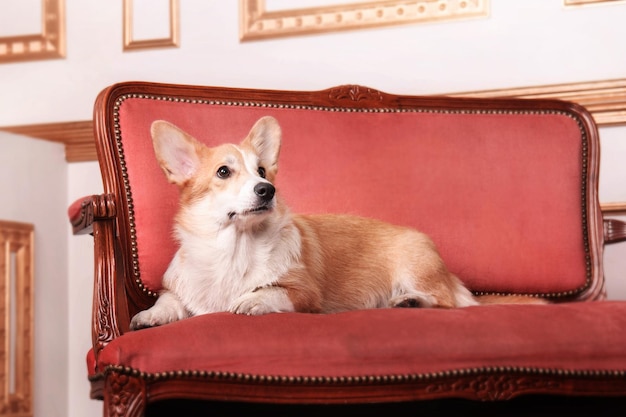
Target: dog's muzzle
[265, 194]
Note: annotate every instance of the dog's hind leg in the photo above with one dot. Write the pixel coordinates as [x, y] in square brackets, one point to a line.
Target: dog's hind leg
[412, 299]
[439, 289]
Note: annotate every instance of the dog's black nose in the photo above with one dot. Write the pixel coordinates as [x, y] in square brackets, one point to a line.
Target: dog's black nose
[265, 190]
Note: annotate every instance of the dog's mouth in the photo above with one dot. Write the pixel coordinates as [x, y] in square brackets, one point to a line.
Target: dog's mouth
[257, 210]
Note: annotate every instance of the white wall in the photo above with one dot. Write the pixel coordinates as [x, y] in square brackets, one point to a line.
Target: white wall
[522, 43]
[613, 188]
[33, 186]
[83, 180]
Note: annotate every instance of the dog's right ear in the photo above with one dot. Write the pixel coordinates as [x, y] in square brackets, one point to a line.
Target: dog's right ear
[264, 138]
[176, 151]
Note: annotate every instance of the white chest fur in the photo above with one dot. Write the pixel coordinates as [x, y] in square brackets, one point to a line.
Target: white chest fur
[209, 272]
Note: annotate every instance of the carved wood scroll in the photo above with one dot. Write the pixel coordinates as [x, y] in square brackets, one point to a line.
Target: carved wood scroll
[16, 326]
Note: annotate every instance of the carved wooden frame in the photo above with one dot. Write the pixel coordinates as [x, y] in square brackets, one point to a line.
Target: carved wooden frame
[48, 44]
[257, 23]
[171, 41]
[16, 327]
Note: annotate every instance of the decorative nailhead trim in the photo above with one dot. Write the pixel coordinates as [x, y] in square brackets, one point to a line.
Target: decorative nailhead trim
[356, 380]
[128, 193]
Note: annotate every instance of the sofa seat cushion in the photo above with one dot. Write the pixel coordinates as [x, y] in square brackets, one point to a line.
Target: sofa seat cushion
[401, 342]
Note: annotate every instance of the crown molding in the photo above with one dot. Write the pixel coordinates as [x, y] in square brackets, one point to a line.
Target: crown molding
[606, 100]
[77, 137]
[615, 208]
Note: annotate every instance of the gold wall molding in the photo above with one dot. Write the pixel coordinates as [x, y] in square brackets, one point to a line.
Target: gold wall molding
[613, 207]
[77, 137]
[48, 44]
[585, 2]
[174, 29]
[257, 23]
[16, 325]
[606, 100]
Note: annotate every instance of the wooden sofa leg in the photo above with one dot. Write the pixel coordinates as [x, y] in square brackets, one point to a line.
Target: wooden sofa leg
[124, 396]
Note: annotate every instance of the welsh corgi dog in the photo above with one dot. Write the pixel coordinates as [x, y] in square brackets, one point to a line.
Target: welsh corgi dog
[241, 250]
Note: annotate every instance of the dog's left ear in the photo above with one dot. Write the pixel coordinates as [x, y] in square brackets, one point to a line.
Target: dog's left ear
[264, 138]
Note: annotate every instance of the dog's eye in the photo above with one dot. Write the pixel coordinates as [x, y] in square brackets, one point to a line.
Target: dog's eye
[223, 172]
[261, 172]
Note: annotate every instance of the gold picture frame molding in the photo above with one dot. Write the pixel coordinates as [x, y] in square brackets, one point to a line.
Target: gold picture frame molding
[606, 100]
[586, 2]
[49, 44]
[257, 23]
[174, 29]
[17, 324]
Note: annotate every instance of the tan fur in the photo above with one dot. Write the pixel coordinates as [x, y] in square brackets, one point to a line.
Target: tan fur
[348, 259]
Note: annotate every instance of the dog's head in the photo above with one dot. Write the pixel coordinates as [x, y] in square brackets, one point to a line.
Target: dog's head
[227, 184]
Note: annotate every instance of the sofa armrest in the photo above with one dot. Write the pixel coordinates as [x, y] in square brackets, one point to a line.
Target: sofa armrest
[614, 230]
[84, 211]
[96, 215]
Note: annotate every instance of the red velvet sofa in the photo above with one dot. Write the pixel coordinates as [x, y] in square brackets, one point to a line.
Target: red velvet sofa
[508, 190]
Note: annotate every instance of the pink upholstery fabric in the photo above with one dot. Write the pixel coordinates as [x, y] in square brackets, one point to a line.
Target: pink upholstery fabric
[500, 208]
[383, 342]
[73, 211]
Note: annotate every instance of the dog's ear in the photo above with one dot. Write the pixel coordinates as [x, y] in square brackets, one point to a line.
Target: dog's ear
[264, 138]
[176, 151]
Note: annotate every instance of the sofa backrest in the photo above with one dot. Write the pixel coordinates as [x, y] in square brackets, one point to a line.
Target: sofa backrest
[507, 189]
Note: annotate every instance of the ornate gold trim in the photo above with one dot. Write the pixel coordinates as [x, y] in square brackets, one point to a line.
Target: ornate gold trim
[16, 326]
[613, 207]
[257, 23]
[606, 100]
[171, 41]
[48, 44]
[584, 2]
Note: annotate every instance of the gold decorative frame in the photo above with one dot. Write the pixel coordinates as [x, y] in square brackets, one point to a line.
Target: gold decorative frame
[48, 44]
[584, 2]
[16, 326]
[606, 100]
[171, 41]
[257, 23]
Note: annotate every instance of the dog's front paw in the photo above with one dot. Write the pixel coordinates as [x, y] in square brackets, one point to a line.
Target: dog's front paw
[142, 320]
[147, 318]
[263, 301]
[251, 304]
[167, 309]
[155, 316]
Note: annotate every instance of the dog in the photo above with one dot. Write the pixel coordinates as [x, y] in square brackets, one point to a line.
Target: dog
[241, 250]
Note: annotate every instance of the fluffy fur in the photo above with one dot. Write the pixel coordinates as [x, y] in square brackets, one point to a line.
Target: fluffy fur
[242, 250]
